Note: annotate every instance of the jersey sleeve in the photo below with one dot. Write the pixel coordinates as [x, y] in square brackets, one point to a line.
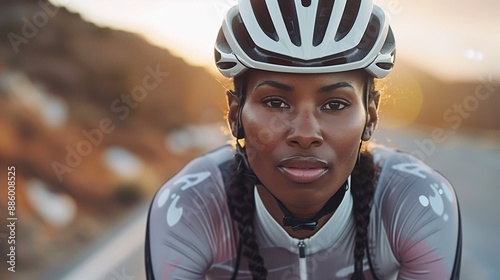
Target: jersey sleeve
[421, 217]
[185, 222]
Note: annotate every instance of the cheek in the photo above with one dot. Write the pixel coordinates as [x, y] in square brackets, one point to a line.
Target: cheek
[355, 121]
[344, 135]
[263, 129]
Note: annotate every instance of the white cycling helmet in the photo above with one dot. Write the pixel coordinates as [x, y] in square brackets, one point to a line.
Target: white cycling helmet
[305, 36]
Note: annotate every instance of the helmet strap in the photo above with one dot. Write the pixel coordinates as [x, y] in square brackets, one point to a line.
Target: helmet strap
[311, 224]
[242, 159]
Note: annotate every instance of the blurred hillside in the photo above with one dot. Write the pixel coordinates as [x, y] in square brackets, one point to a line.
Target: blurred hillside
[89, 116]
[85, 115]
[416, 96]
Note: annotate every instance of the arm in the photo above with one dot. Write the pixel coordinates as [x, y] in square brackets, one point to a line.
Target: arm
[424, 224]
[187, 224]
[176, 244]
[190, 232]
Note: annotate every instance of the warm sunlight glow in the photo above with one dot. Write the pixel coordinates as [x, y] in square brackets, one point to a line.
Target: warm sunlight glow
[187, 28]
[443, 44]
[402, 104]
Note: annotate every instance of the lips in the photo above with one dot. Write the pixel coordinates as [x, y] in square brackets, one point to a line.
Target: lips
[303, 170]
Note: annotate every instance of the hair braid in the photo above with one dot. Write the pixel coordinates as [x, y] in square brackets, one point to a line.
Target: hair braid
[242, 207]
[362, 190]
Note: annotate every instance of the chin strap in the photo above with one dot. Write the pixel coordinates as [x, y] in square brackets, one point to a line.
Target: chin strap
[241, 157]
[311, 224]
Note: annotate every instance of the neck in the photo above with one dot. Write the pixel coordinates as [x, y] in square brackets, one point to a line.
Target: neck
[276, 212]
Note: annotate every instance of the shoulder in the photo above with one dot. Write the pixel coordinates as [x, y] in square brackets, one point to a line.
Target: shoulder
[209, 165]
[403, 177]
[418, 210]
[202, 178]
[188, 218]
[409, 193]
[399, 170]
[413, 199]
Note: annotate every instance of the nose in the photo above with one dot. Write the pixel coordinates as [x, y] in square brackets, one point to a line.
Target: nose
[305, 130]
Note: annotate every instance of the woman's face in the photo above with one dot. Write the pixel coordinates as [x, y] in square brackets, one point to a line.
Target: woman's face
[303, 132]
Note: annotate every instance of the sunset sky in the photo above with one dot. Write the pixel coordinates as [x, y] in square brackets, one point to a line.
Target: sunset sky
[452, 39]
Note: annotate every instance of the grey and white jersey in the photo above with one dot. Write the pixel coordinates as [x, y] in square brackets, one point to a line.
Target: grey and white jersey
[413, 231]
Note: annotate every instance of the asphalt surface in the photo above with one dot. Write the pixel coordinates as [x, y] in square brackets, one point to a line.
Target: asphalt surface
[470, 161]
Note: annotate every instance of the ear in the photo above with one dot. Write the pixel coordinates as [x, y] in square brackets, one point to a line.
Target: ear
[232, 115]
[372, 116]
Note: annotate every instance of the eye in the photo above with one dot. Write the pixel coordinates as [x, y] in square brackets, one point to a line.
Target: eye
[335, 105]
[275, 103]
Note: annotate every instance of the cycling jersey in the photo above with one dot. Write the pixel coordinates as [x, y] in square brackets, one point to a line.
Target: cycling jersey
[414, 229]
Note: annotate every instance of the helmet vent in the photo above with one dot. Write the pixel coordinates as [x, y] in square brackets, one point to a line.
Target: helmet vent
[264, 19]
[371, 33]
[289, 14]
[222, 43]
[226, 65]
[306, 3]
[385, 66]
[389, 44]
[323, 14]
[348, 18]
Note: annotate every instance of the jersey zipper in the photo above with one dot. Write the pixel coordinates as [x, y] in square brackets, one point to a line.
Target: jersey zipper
[302, 260]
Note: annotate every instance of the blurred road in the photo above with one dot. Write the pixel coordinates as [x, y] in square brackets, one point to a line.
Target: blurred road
[471, 162]
[120, 256]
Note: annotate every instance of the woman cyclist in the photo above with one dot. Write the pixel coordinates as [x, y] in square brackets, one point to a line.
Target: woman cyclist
[302, 195]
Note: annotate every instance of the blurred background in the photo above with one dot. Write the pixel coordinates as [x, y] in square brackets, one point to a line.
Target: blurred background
[103, 101]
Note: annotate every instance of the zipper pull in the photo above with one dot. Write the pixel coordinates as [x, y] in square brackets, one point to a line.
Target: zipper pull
[302, 260]
[302, 249]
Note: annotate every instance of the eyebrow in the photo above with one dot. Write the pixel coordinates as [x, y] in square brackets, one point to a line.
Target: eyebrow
[275, 84]
[285, 87]
[335, 86]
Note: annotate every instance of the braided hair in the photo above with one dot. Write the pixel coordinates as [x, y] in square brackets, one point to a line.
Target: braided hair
[241, 201]
[242, 207]
[362, 190]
